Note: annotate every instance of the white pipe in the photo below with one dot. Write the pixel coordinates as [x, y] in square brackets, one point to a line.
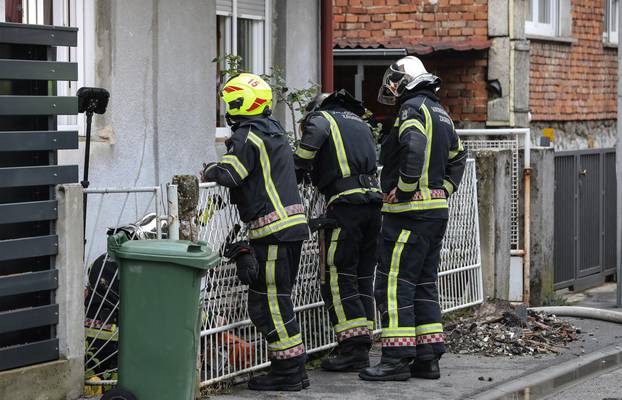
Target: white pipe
[582, 312]
[492, 132]
[123, 190]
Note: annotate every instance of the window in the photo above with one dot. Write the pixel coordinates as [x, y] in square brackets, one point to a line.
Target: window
[242, 30]
[610, 33]
[61, 13]
[542, 17]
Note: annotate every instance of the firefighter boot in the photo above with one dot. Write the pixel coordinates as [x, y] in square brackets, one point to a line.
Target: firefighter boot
[388, 370]
[347, 359]
[305, 377]
[425, 369]
[284, 375]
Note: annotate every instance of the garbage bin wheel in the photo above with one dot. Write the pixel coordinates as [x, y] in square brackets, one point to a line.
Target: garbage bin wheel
[118, 394]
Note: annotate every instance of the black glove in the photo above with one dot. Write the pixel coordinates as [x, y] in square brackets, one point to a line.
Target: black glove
[247, 267]
[303, 176]
[315, 224]
[207, 173]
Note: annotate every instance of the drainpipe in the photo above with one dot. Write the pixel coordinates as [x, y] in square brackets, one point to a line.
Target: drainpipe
[527, 239]
[326, 45]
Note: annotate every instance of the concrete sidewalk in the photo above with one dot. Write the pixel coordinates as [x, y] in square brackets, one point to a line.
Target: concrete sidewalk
[462, 375]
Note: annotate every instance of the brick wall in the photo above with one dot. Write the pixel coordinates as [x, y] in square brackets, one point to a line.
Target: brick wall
[393, 23]
[406, 23]
[573, 82]
[463, 90]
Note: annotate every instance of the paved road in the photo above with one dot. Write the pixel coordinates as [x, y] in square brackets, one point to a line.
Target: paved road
[460, 374]
[605, 386]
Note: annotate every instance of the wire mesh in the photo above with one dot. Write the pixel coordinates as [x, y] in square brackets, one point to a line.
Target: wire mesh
[511, 142]
[230, 345]
[110, 208]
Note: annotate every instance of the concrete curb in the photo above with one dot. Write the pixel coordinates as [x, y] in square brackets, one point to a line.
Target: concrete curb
[546, 381]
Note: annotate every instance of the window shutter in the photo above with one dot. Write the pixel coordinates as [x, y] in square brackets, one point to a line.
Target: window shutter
[224, 6]
[255, 8]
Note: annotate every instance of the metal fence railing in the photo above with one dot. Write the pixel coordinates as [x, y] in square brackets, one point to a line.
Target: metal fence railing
[230, 344]
[514, 139]
[108, 209]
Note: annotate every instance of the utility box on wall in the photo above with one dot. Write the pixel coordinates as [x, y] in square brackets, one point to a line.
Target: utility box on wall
[29, 141]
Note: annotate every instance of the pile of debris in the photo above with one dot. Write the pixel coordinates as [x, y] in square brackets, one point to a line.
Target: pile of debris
[499, 329]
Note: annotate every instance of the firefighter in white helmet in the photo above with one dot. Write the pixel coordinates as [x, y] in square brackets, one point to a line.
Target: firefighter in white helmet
[423, 162]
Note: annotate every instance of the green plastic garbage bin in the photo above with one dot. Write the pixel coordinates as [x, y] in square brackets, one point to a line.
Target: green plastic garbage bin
[159, 315]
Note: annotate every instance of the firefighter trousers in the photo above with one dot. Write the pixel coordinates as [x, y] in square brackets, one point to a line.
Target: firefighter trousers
[350, 262]
[270, 305]
[405, 288]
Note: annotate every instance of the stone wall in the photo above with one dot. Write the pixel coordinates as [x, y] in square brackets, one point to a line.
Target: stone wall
[575, 135]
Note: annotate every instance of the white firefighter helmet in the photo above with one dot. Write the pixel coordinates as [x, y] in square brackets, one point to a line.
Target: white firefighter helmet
[407, 73]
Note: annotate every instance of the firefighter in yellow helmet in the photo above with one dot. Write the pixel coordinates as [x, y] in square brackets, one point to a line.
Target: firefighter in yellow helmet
[259, 169]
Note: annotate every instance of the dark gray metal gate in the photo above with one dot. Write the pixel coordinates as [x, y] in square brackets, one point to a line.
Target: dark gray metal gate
[29, 141]
[585, 207]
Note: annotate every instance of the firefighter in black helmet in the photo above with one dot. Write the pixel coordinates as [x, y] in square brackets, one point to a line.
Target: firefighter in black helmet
[423, 162]
[259, 169]
[337, 150]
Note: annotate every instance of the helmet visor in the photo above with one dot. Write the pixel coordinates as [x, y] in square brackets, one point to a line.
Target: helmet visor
[393, 85]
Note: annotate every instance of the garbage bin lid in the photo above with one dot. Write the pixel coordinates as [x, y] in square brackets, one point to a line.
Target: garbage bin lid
[180, 252]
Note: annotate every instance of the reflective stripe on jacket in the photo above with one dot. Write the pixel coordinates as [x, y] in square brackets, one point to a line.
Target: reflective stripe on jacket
[420, 154]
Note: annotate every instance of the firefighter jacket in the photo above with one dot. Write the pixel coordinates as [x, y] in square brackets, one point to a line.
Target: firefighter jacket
[422, 157]
[337, 149]
[259, 169]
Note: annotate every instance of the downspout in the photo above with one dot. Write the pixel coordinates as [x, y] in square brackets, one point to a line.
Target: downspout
[527, 230]
[326, 45]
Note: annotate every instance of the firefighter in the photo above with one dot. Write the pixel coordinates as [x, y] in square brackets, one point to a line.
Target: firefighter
[423, 162]
[259, 170]
[337, 150]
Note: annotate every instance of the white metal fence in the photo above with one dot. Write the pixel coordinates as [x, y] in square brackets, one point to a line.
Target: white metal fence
[110, 208]
[230, 344]
[513, 140]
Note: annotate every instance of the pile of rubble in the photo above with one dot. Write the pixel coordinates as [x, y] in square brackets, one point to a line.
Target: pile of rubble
[498, 329]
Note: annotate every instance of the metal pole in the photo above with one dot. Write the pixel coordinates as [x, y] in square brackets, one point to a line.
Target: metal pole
[527, 219]
[173, 212]
[527, 239]
[326, 44]
[619, 171]
[87, 156]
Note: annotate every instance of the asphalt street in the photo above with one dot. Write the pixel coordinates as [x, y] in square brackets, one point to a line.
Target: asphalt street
[606, 386]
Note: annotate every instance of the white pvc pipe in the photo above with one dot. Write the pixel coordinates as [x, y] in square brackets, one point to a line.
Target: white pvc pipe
[582, 312]
[123, 190]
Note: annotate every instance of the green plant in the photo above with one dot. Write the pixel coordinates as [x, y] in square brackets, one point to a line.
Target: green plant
[376, 127]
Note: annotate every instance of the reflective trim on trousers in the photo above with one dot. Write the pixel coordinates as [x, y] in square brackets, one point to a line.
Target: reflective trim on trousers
[273, 300]
[392, 305]
[353, 323]
[334, 277]
[429, 328]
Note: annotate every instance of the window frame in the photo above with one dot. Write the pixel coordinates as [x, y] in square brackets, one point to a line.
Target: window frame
[231, 43]
[536, 28]
[611, 36]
